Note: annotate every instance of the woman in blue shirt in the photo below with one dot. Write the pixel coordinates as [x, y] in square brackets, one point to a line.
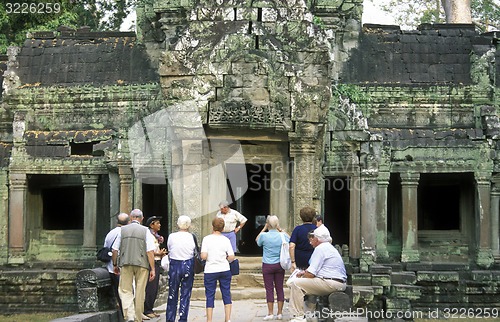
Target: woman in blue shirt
[273, 274]
[300, 249]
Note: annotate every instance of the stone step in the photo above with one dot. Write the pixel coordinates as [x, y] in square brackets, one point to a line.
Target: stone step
[237, 293]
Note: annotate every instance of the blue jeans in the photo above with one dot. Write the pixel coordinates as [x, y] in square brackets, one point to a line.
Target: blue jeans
[180, 274]
[210, 281]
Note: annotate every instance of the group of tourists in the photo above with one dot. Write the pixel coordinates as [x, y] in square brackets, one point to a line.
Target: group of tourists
[317, 267]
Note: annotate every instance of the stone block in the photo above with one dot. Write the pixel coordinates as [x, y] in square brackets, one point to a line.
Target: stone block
[381, 279]
[432, 276]
[339, 302]
[380, 269]
[94, 290]
[406, 278]
[411, 292]
[398, 304]
[361, 279]
[362, 296]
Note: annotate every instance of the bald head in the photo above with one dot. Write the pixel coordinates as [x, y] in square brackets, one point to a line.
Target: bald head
[122, 219]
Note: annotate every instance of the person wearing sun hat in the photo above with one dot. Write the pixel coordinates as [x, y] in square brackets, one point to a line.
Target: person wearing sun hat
[326, 273]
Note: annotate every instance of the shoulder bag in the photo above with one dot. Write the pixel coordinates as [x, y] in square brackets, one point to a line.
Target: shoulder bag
[105, 254]
[234, 267]
[199, 264]
[285, 260]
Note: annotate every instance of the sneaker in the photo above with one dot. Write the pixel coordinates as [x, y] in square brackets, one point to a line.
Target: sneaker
[268, 317]
[279, 317]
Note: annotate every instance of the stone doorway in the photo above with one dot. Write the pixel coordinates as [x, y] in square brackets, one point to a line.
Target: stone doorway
[254, 204]
[336, 208]
[155, 203]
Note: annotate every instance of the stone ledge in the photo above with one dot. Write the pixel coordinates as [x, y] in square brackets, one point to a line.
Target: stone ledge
[106, 316]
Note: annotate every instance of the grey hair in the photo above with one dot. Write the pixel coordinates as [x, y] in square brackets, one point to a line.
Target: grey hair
[224, 203]
[324, 239]
[136, 213]
[184, 222]
[273, 222]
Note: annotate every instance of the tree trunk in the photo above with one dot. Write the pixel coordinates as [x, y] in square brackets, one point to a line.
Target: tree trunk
[457, 11]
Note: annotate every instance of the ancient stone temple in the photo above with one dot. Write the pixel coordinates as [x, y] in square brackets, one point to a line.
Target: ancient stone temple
[272, 105]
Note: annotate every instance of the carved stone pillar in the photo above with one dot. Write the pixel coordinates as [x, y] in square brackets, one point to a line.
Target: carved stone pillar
[304, 173]
[126, 195]
[189, 185]
[495, 215]
[484, 257]
[17, 218]
[381, 243]
[89, 210]
[355, 217]
[280, 197]
[409, 185]
[368, 211]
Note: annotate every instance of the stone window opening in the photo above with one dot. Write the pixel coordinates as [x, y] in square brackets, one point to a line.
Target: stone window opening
[82, 148]
[63, 208]
[55, 202]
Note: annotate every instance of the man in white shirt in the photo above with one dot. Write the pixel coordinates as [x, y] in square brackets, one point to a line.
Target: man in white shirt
[122, 220]
[231, 219]
[326, 273]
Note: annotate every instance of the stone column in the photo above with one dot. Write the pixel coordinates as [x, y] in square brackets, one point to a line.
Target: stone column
[381, 243]
[280, 192]
[368, 219]
[354, 218]
[304, 174]
[137, 188]
[484, 257]
[409, 185]
[89, 210]
[189, 198]
[126, 192]
[17, 218]
[495, 216]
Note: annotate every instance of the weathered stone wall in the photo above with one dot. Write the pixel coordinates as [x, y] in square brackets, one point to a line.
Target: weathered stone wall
[68, 58]
[427, 290]
[38, 290]
[432, 54]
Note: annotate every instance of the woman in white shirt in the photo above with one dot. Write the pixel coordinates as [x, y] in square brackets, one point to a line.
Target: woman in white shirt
[216, 249]
[181, 248]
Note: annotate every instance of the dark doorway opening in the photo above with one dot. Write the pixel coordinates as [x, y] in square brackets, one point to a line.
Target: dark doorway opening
[254, 204]
[439, 200]
[155, 203]
[337, 208]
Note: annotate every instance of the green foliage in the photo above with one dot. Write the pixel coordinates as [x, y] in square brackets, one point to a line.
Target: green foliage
[99, 15]
[411, 13]
[318, 21]
[486, 13]
[355, 93]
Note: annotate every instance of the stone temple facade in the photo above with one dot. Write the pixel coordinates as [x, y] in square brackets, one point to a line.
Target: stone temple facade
[274, 105]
